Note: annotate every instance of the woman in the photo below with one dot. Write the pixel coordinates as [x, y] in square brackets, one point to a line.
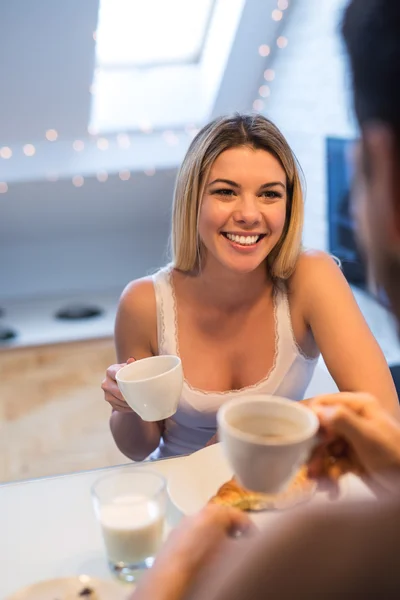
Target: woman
[242, 305]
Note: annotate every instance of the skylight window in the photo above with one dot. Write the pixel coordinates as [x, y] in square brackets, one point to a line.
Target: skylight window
[151, 33]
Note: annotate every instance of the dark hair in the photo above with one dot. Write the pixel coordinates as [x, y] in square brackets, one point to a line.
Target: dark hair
[371, 31]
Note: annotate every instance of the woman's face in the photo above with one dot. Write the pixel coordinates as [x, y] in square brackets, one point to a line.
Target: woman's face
[243, 209]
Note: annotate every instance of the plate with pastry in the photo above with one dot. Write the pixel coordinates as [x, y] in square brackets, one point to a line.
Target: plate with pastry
[74, 588]
[205, 477]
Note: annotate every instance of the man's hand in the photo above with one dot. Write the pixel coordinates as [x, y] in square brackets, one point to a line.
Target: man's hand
[190, 548]
[358, 436]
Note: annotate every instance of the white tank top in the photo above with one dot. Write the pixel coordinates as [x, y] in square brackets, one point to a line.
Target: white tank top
[194, 423]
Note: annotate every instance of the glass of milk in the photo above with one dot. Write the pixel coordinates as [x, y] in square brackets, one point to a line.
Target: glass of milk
[130, 504]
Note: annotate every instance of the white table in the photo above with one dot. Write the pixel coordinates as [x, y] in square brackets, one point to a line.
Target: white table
[48, 528]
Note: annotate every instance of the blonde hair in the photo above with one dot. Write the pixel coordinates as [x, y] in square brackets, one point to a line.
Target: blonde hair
[228, 132]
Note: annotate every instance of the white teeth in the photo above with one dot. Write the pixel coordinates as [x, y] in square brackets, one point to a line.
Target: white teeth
[247, 240]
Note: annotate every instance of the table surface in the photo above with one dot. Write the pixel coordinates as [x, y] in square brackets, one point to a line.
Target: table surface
[48, 527]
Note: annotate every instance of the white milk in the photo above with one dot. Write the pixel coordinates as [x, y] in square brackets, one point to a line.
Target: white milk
[132, 528]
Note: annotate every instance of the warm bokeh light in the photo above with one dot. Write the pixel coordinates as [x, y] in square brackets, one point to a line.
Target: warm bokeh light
[264, 91]
[125, 175]
[123, 140]
[145, 126]
[277, 15]
[78, 181]
[282, 42]
[269, 75]
[283, 4]
[92, 130]
[258, 104]
[3, 187]
[29, 149]
[264, 50]
[102, 176]
[102, 144]
[52, 177]
[171, 138]
[78, 145]
[150, 172]
[5, 152]
[51, 135]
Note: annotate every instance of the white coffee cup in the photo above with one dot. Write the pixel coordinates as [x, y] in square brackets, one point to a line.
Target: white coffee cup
[152, 386]
[266, 439]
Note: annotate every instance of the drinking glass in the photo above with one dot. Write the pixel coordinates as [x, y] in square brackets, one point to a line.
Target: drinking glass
[130, 505]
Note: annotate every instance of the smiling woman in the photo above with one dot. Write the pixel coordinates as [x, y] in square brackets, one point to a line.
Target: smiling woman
[246, 309]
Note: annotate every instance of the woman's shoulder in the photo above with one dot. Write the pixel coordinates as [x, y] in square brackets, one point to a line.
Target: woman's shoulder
[314, 267]
[138, 301]
[317, 275]
[136, 320]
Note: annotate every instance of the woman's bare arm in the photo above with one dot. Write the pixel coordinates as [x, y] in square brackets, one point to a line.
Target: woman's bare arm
[136, 337]
[350, 351]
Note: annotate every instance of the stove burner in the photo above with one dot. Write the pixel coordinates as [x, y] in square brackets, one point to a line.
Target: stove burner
[6, 334]
[78, 312]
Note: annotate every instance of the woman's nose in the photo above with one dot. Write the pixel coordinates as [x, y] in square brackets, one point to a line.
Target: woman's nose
[248, 212]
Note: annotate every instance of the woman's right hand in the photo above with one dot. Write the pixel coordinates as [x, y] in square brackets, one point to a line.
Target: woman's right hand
[112, 393]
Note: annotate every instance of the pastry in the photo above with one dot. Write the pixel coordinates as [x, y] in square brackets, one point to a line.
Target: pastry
[301, 489]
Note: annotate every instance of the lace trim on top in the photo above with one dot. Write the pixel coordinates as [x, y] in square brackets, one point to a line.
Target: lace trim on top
[160, 315]
[226, 392]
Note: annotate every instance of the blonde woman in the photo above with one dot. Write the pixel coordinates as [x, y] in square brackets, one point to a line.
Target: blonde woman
[242, 305]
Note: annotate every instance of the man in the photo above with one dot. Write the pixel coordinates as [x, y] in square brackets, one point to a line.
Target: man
[352, 551]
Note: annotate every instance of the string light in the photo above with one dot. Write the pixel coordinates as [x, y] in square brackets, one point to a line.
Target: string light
[125, 175]
[145, 126]
[123, 140]
[102, 176]
[264, 91]
[269, 75]
[277, 15]
[78, 145]
[92, 130]
[192, 130]
[264, 50]
[78, 181]
[258, 104]
[29, 150]
[51, 135]
[102, 144]
[5, 152]
[3, 187]
[283, 4]
[282, 42]
[52, 177]
[171, 138]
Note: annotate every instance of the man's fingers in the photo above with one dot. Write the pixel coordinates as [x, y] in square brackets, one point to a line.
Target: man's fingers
[358, 402]
[344, 422]
[230, 520]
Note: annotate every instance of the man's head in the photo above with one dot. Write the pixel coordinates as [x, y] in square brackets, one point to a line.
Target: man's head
[371, 30]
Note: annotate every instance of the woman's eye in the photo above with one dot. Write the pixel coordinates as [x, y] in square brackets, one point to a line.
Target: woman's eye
[271, 195]
[223, 192]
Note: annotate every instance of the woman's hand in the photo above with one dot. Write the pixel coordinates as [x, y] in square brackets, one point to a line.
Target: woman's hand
[191, 547]
[111, 390]
[213, 440]
[358, 436]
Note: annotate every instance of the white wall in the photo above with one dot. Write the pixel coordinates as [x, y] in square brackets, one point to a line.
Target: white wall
[309, 99]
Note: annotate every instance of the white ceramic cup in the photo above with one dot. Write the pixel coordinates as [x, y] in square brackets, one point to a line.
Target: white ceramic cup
[266, 439]
[152, 386]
